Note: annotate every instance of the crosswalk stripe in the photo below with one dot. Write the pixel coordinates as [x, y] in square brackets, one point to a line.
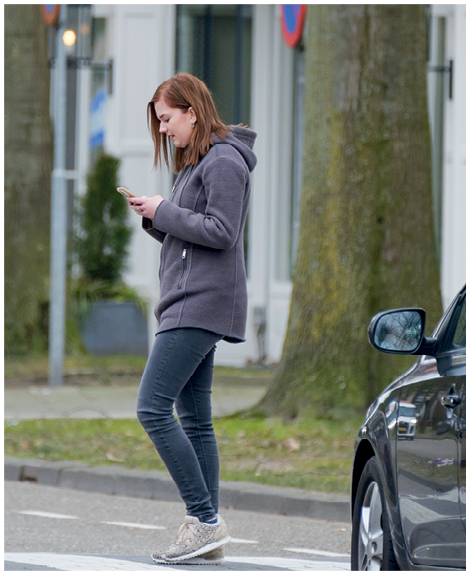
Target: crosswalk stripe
[98, 563]
[81, 562]
[136, 525]
[249, 541]
[47, 514]
[315, 552]
[292, 564]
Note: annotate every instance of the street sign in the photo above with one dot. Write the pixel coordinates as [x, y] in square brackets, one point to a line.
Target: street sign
[50, 13]
[292, 19]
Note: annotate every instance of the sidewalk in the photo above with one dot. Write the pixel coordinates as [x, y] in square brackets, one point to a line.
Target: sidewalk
[41, 401]
[37, 401]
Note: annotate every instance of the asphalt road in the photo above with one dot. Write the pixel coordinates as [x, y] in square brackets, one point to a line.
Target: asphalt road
[50, 528]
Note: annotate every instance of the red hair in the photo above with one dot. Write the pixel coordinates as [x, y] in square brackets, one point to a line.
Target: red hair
[185, 91]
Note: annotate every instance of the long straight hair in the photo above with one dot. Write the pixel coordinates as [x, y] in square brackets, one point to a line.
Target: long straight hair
[185, 91]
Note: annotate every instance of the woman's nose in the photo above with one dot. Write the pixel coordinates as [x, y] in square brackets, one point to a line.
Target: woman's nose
[162, 128]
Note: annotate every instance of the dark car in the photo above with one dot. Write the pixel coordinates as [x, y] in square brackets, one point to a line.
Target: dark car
[409, 470]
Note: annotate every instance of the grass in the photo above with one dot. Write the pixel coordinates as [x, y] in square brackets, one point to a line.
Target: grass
[309, 454]
[37, 367]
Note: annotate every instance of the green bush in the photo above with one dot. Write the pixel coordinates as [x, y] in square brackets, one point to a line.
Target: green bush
[104, 236]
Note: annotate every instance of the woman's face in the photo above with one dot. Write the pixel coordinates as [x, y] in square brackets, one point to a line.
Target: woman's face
[175, 123]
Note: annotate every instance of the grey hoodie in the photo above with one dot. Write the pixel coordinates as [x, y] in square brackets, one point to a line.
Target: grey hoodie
[202, 267]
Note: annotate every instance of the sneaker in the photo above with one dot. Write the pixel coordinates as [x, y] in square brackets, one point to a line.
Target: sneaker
[195, 539]
[157, 556]
[214, 557]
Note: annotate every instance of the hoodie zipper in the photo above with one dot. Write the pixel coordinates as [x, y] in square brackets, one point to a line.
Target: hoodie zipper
[181, 182]
[185, 265]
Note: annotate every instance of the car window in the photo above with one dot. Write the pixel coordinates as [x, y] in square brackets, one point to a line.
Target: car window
[460, 338]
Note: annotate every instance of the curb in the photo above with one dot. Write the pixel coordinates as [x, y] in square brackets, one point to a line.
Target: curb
[159, 486]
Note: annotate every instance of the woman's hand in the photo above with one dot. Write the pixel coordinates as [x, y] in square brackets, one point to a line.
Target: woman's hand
[144, 206]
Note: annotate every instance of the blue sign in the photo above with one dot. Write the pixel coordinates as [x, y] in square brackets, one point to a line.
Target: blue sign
[50, 13]
[98, 118]
[293, 17]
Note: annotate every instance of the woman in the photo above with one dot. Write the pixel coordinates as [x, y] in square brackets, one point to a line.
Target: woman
[203, 298]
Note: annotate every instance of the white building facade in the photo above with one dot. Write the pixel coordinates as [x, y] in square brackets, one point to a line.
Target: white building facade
[258, 80]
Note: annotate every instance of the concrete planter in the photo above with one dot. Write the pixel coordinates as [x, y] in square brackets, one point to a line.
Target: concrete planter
[115, 328]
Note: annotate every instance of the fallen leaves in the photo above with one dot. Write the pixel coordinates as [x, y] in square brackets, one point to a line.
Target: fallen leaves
[306, 454]
[291, 444]
[112, 457]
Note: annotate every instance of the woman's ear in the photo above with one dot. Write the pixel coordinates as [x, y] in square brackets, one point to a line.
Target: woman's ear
[192, 115]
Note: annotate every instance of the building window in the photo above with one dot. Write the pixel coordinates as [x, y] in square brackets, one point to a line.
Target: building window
[213, 42]
[438, 79]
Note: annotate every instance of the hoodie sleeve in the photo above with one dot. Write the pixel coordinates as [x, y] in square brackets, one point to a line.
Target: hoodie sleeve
[224, 182]
[147, 225]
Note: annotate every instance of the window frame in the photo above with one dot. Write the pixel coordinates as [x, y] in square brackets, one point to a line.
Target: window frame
[446, 329]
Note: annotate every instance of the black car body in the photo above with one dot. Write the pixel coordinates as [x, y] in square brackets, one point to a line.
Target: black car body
[409, 468]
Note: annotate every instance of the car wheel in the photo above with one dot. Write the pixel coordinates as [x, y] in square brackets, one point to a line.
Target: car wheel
[371, 544]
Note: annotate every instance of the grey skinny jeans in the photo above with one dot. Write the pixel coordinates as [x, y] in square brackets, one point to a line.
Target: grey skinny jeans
[179, 370]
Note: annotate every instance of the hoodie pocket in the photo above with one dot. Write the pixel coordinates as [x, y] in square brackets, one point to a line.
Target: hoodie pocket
[184, 259]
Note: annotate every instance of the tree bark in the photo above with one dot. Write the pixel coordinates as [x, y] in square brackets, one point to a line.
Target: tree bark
[28, 166]
[366, 231]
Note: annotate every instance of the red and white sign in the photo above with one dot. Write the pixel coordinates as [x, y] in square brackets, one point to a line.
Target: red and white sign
[292, 19]
[50, 13]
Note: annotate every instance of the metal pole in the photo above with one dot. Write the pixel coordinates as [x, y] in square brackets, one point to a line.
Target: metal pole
[58, 217]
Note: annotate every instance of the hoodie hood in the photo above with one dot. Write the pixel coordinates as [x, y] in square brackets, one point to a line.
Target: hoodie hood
[242, 139]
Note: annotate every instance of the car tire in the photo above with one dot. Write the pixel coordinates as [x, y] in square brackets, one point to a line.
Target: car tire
[371, 542]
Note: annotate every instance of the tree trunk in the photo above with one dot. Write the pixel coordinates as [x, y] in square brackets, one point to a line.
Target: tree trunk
[366, 231]
[28, 166]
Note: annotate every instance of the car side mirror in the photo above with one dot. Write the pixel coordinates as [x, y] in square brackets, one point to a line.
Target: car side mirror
[398, 331]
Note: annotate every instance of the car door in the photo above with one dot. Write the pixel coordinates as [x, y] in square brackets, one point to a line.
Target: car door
[459, 342]
[463, 460]
[430, 468]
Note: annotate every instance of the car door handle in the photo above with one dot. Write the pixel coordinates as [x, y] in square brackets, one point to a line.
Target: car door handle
[451, 401]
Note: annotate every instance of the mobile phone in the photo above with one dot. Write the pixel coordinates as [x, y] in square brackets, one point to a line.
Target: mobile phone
[126, 193]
